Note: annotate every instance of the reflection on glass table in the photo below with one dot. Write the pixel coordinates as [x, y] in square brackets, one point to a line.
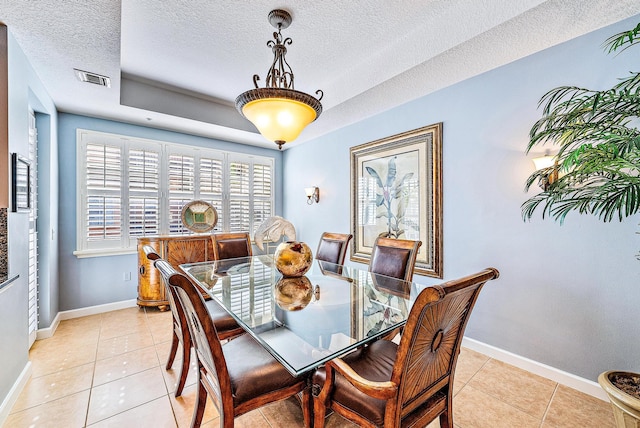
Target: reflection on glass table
[304, 322]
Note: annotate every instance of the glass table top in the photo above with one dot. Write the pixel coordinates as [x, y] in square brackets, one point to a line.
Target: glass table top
[304, 322]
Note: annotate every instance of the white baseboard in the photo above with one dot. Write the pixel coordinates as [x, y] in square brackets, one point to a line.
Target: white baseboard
[98, 309]
[45, 333]
[556, 375]
[14, 392]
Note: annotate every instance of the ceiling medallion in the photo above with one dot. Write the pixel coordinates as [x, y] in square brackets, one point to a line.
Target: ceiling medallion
[279, 111]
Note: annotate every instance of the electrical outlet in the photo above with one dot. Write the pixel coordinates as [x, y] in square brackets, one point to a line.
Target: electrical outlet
[127, 276]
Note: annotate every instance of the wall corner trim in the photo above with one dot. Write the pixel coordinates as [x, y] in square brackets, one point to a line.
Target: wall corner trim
[46, 333]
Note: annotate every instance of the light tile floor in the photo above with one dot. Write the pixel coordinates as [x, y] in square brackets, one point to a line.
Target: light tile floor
[107, 370]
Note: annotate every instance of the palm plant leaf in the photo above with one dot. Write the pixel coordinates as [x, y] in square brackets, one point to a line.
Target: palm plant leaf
[598, 147]
[618, 41]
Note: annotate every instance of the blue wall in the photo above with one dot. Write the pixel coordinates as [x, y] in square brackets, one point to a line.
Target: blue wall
[567, 295]
[99, 280]
[25, 92]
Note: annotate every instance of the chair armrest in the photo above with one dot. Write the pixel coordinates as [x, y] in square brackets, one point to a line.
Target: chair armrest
[380, 390]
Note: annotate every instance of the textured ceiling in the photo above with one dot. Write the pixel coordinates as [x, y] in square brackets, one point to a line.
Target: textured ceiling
[181, 63]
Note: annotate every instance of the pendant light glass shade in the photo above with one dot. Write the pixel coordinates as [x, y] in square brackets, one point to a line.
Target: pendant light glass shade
[279, 119]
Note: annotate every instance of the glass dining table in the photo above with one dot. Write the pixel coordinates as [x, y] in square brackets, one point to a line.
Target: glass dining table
[307, 321]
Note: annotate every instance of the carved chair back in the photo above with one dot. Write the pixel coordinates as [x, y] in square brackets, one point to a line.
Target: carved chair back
[180, 327]
[204, 337]
[430, 344]
[411, 384]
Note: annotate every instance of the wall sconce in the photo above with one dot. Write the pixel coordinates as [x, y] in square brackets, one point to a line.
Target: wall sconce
[544, 162]
[313, 194]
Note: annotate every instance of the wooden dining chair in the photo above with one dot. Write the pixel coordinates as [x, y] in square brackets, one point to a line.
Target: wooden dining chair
[226, 325]
[238, 376]
[332, 247]
[394, 257]
[231, 245]
[410, 384]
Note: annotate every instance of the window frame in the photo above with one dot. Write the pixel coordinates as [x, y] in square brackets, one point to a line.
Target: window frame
[126, 244]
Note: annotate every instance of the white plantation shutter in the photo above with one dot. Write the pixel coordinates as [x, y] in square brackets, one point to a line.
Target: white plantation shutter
[182, 177]
[181, 174]
[250, 193]
[262, 194]
[144, 192]
[33, 278]
[144, 216]
[104, 193]
[239, 192]
[262, 178]
[175, 216]
[212, 186]
[130, 187]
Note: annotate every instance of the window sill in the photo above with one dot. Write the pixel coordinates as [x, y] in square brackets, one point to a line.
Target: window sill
[104, 252]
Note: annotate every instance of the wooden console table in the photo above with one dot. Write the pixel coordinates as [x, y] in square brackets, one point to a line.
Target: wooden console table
[176, 250]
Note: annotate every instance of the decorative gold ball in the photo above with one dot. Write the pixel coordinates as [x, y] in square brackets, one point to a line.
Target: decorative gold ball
[293, 258]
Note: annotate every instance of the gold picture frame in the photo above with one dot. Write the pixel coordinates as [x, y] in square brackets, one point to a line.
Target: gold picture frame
[396, 190]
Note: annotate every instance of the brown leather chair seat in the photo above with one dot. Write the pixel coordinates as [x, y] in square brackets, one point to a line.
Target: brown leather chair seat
[254, 371]
[373, 362]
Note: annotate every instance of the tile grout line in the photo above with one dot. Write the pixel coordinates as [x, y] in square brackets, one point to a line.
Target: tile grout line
[93, 376]
[474, 374]
[555, 388]
[464, 384]
[162, 367]
[141, 404]
[164, 379]
[508, 404]
[546, 411]
[89, 388]
[265, 418]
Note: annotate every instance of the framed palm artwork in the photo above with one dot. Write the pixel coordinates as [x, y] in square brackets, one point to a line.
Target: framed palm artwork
[396, 192]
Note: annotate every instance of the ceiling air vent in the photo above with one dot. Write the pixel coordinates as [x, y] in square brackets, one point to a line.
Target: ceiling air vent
[97, 79]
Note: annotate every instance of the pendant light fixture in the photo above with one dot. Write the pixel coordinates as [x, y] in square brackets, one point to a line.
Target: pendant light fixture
[279, 111]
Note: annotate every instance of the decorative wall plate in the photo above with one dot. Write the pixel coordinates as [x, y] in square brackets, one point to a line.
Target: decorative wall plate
[199, 216]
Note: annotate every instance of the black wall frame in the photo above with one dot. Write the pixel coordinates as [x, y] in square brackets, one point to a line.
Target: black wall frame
[20, 183]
